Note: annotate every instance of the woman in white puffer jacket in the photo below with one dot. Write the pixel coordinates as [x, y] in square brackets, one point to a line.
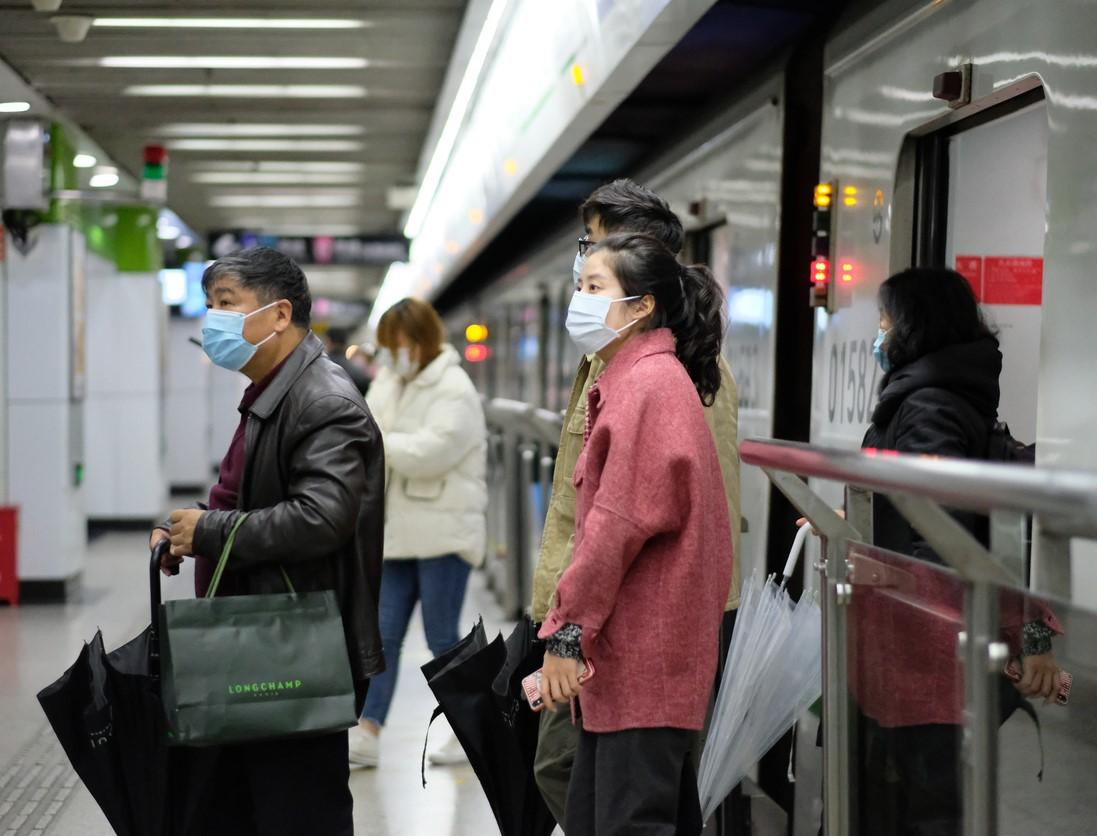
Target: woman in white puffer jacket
[435, 439]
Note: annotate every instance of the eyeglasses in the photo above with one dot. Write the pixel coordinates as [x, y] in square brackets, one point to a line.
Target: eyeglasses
[584, 244]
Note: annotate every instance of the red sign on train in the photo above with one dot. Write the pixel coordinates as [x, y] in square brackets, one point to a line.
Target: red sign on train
[1013, 280]
[971, 268]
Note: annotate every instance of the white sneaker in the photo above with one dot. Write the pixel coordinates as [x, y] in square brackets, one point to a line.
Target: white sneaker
[365, 747]
[449, 754]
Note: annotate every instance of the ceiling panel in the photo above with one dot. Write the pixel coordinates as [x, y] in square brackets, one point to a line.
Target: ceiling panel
[243, 159]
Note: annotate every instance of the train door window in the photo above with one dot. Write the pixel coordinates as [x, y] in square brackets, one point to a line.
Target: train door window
[982, 198]
[743, 261]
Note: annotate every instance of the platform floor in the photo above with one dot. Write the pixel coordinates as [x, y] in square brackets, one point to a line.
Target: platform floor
[39, 794]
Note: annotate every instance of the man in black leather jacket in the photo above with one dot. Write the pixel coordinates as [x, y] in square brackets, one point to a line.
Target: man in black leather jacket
[307, 465]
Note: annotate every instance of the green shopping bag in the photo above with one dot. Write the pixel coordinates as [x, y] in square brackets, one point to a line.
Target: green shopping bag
[253, 667]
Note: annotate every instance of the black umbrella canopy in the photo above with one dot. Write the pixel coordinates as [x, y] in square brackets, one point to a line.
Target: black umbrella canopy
[107, 714]
[499, 743]
[79, 711]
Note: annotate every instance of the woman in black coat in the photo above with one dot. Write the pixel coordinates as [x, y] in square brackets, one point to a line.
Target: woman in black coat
[939, 396]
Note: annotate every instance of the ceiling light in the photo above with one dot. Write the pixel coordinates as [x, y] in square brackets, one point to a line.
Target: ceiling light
[202, 129]
[250, 91]
[281, 165]
[264, 145]
[167, 232]
[317, 200]
[283, 178]
[184, 241]
[104, 178]
[448, 137]
[84, 161]
[14, 107]
[229, 62]
[228, 23]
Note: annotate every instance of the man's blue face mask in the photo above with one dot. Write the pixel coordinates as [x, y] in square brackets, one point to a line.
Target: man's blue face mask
[223, 338]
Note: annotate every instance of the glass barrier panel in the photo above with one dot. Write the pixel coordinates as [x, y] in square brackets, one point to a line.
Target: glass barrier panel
[1058, 739]
[907, 693]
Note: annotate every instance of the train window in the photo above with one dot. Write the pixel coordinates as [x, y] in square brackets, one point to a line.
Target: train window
[981, 198]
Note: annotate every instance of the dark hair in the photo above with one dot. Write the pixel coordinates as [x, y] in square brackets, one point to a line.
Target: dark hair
[624, 206]
[338, 337]
[416, 320]
[929, 308]
[271, 274]
[688, 301]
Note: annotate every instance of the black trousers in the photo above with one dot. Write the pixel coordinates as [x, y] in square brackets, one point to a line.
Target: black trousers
[638, 782]
[295, 787]
[910, 781]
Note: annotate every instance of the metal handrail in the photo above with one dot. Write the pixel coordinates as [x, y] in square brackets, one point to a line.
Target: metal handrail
[525, 419]
[1066, 501]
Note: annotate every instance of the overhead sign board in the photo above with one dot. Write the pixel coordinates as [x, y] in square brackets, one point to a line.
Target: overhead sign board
[359, 250]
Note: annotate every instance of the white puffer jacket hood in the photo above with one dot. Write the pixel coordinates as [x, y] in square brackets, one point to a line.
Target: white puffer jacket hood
[436, 455]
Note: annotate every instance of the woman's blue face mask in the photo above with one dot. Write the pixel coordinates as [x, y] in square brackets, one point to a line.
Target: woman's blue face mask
[878, 351]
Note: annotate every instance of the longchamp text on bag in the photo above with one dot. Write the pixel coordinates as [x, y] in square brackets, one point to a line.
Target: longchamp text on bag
[254, 667]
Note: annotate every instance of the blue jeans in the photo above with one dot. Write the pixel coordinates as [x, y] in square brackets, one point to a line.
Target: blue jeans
[439, 583]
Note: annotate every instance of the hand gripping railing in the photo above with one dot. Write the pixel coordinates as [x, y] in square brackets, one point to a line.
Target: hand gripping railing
[1063, 505]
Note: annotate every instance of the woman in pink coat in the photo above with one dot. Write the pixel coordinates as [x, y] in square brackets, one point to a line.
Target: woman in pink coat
[643, 597]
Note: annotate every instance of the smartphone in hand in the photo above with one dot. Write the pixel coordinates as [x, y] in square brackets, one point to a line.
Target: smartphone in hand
[531, 685]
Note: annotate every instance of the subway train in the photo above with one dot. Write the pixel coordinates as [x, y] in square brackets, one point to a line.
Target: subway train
[919, 133]
[956, 133]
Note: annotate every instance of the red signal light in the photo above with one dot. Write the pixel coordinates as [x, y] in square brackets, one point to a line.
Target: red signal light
[820, 271]
[477, 353]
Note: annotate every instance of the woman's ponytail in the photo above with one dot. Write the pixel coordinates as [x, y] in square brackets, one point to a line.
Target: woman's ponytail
[699, 329]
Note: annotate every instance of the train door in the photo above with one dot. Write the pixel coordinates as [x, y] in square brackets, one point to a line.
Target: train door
[986, 179]
[742, 261]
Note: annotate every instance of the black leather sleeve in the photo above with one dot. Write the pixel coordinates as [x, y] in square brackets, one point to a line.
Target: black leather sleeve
[325, 481]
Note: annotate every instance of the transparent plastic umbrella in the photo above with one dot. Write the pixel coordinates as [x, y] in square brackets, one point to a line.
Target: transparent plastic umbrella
[773, 673]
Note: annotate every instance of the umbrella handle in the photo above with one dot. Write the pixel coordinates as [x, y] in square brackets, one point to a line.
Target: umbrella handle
[794, 553]
[158, 551]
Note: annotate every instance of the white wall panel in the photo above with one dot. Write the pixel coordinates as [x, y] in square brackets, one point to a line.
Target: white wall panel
[44, 424]
[124, 425]
[187, 406]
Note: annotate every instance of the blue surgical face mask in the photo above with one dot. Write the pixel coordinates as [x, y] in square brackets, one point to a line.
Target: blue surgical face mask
[878, 351]
[586, 321]
[223, 338]
[403, 365]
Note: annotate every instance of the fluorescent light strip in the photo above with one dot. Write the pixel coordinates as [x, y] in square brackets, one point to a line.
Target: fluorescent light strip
[283, 178]
[84, 161]
[204, 129]
[247, 91]
[228, 23]
[313, 145]
[229, 62]
[281, 165]
[448, 137]
[14, 107]
[103, 180]
[286, 201]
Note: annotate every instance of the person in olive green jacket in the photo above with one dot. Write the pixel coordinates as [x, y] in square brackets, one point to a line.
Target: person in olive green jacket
[621, 206]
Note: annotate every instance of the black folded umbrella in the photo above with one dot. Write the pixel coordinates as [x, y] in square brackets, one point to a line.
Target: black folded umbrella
[107, 714]
[498, 736]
